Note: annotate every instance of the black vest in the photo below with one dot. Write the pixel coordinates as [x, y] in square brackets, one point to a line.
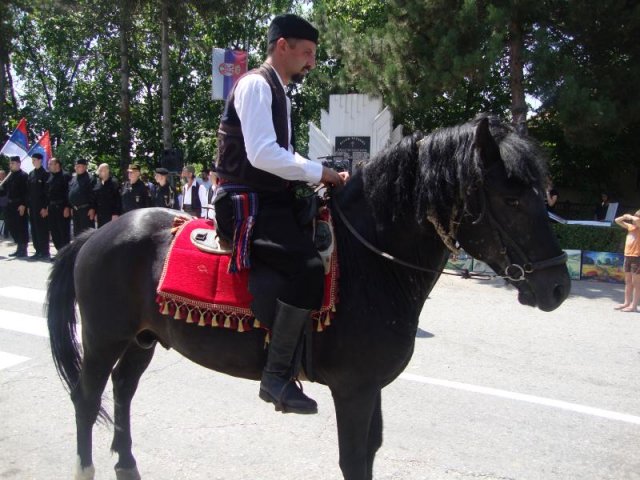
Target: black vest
[232, 163]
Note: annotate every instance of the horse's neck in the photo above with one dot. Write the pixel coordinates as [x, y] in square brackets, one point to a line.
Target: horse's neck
[393, 290]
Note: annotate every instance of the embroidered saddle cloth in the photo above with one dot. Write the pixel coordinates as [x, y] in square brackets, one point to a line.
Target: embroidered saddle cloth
[196, 287]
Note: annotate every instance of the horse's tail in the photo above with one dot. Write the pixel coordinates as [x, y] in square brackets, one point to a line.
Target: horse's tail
[61, 313]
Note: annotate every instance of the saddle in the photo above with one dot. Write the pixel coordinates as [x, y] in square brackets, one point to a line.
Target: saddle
[195, 285]
[207, 240]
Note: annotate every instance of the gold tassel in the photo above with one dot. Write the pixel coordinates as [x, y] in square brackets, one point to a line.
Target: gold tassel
[227, 322]
[327, 320]
[201, 323]
[214, 320]
[319, 329]
[240, 326]
[256, 323]
[177, 314]
[333, 309]
[165, 309]
[189, 318]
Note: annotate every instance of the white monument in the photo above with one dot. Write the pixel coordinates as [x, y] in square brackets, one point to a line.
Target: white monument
[356, 126]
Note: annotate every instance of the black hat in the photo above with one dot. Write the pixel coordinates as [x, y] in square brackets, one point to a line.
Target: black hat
[37, 156]
[81, 161]
[291, 26]
[14, 159]
[134, 166]
[162, 171]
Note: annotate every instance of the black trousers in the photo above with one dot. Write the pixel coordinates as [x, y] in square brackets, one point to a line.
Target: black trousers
[81, 220]
[39, 231]
[59, 226]
[285, 264]
[17, 225]
[103, 219]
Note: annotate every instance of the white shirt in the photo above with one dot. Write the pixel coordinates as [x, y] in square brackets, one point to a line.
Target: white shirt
[186, 196]
[252, 101]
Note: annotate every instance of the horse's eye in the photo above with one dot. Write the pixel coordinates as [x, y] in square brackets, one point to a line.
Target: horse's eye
[512, 202]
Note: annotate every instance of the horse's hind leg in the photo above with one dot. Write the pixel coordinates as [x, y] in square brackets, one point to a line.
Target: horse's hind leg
[125, 382]
[86, 396]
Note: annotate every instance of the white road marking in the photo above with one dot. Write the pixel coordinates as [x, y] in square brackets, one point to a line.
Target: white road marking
[22, 323]
[548, 402]
[23, 293]
[19, 322]
[9, 360]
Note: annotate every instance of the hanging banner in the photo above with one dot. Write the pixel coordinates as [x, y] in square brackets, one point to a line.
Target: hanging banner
[43, 147]
[18, 143]
[227, 67]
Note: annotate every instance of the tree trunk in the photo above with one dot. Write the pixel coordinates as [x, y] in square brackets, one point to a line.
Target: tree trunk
[516, 66]
[125, 109]
[3, 96]
[167, 140]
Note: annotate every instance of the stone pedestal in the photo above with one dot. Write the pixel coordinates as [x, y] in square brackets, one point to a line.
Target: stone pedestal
[356, 126]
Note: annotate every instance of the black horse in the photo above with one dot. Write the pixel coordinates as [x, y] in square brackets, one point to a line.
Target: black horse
[477, 185]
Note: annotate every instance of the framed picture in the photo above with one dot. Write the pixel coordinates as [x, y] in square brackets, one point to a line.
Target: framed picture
[574, 263]
[602, 266]
[460, 261]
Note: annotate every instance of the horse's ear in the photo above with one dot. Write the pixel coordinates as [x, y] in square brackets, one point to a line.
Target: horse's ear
[485, 143]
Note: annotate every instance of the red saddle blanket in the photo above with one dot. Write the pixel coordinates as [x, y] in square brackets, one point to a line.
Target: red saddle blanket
[196, 287]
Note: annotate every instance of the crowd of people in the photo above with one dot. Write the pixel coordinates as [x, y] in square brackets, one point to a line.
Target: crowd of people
[51, 203]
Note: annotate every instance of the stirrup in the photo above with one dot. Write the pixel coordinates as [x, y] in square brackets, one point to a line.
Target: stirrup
[208, 241]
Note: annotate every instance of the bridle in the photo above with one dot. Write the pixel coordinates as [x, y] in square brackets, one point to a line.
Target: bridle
[514, 272]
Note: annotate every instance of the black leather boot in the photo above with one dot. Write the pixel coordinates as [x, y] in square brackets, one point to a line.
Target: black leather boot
[20, 252]
[277, 385]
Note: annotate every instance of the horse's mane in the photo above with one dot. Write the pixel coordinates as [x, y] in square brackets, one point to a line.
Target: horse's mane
[428, 176]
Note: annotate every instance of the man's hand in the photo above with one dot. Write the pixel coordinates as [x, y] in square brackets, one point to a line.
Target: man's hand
[66, 212]
[44, 212]
[22, 209]
[91, 214]
[331, 178]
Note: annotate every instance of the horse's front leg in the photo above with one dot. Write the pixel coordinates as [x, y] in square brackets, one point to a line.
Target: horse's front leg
[358, 441]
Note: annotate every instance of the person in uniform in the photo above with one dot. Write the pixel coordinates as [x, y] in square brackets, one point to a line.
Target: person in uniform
[58, 211]
[135, 193]
[16, 188]
[83, 205]
[4, 231]
[258, 170]
[164, 195]
[38, 202]
[194, 195]
[106, 191]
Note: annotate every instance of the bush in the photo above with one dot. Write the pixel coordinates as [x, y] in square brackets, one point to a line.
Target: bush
[597, 239]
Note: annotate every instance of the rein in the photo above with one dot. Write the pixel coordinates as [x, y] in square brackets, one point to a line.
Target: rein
[513, 272]
[462, 272]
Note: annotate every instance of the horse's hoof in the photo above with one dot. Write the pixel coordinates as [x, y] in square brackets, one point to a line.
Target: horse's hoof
[86, 473]
[128, 474]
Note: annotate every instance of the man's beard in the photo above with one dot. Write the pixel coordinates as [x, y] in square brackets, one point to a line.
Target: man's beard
[297, 77]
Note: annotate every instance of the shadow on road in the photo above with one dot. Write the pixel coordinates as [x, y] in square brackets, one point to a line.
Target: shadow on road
[424, 334]
[581, 288]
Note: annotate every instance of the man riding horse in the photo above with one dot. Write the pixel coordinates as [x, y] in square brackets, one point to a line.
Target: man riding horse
[255, 203]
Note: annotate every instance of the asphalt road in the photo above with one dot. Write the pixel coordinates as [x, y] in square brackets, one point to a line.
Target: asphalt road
[495, 391]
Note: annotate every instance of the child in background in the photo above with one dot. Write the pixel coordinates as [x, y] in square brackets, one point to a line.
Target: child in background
[631, 223]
